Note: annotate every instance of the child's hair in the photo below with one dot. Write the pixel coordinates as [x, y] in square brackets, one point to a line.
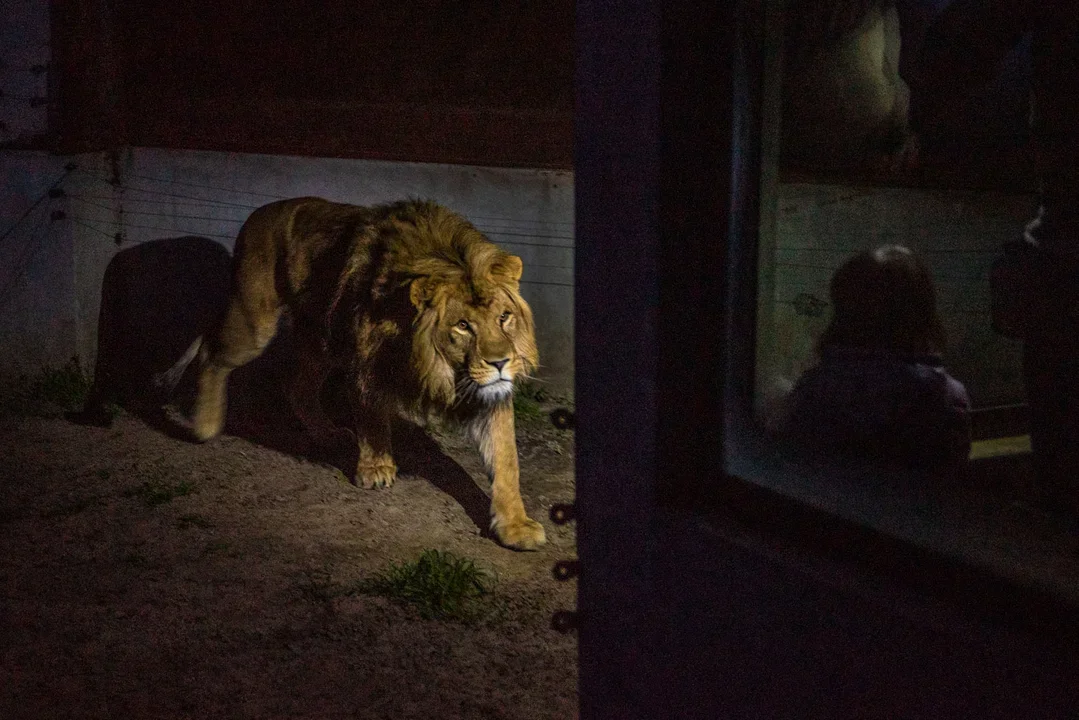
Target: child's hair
[885, 299]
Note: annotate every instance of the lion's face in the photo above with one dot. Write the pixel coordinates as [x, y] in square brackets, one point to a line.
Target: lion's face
[482, 342]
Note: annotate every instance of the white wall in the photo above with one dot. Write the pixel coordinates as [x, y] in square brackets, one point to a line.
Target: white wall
[38, 316]
[52, 309]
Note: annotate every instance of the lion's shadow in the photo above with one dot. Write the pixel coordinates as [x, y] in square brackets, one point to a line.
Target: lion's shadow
[259, 412]
[157, 297]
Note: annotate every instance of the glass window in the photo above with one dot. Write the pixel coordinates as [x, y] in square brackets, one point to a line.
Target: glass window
[880, 369]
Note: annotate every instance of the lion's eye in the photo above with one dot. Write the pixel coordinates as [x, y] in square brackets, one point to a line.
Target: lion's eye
[462, 325]
[504, 316]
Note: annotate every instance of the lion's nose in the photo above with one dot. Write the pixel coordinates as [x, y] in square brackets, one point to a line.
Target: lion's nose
[498, 364]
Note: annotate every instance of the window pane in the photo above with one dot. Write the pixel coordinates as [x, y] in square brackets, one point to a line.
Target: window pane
[878, 357]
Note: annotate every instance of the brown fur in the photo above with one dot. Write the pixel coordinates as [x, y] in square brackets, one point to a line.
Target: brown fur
[419, 307]
[844, 104]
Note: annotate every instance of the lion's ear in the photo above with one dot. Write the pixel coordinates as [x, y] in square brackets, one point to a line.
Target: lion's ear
[418, 293]
[510, 266]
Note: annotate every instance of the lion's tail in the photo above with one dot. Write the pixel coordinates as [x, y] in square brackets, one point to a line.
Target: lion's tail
[165, 383]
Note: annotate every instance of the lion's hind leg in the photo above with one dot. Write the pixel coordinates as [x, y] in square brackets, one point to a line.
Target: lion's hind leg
[242, 336]
[304, 395]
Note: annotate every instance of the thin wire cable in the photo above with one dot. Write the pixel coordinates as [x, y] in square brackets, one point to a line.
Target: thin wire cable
[515, 220]
[88, 226]
[131, 188]
[33, 247]
[207, 187]
[128, 211]
[44, 196]
[497, 230]
[539, 245]
[522, 231]
[237, 221]
[552, 267]
[544, 282]
[173, 232]
[145, 201]
[272, 196]
[533, 235]
[208, 201]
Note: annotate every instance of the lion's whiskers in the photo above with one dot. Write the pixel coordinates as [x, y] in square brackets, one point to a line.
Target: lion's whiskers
[467, 389]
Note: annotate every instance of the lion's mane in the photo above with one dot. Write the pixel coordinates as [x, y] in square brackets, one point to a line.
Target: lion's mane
[371, 320]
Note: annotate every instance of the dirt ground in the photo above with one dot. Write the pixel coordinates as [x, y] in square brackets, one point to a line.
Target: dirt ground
[143, 576]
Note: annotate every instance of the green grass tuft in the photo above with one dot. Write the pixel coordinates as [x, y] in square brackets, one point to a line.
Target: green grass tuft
[526, 407]
[532, 390]
[528, 399]
[52, 390]
[440, 585]
[66, 386]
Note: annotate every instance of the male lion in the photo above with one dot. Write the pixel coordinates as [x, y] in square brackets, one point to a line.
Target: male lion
[412, 301]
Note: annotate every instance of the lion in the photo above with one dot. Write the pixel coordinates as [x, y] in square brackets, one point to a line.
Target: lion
[421, 312]
[844, 102]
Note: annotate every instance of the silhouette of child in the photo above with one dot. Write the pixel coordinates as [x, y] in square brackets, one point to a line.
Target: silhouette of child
[880, 389]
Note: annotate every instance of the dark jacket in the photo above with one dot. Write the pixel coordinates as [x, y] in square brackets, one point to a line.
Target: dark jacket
[901, 409]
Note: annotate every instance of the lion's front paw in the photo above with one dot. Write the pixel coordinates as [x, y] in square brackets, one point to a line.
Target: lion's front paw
[202, 431]
[525, 534]
[376, 474]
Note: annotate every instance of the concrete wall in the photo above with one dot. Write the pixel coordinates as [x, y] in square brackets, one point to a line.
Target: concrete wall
[48, 309]
[38, 314]
[819, 226]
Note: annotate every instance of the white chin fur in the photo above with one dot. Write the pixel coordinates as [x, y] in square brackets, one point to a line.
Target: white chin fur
[496, 391]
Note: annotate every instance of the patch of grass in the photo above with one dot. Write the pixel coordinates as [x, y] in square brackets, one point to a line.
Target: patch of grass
[527, 398]
[53, 390]
[193, 520]
[531, 397]
[525, 407]
[65, 386]
[155, 493]
[440, 585]
[532, 390]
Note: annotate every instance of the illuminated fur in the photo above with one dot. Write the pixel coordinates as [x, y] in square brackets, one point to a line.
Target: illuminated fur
[843, 100]
[417, 305]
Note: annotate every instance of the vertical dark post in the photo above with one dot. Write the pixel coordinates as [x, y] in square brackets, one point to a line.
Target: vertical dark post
[753, 46]
[616, 344]
[652, 166]
[696, 159]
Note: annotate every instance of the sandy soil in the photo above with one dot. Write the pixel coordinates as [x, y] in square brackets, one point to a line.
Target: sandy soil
[233, 600]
